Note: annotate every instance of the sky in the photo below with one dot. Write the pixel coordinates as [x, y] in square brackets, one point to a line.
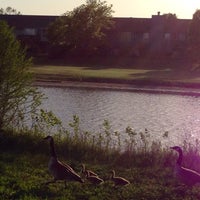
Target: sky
[184, 9]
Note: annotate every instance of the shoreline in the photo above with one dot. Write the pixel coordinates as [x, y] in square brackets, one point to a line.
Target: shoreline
[164, 88]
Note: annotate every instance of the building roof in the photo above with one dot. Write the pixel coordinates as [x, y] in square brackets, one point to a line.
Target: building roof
[28, 21]
[139, 25]
[136, 25]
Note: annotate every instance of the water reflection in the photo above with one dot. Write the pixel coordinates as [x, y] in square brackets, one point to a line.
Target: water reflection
[179, 115]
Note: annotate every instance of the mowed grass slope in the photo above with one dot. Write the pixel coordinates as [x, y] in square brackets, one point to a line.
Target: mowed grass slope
[80, 73]
[87, 72]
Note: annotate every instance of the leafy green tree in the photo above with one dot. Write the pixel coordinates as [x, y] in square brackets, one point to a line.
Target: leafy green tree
[18, 99]
[83, 29]
[170, 16]
[9, 11]
[194, 30]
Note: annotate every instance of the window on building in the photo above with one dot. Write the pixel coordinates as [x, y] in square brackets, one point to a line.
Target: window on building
[146, 36]
[181, 37]
[19, 32]
[125, 37]
[132, 36]
[167, 36]
[30, 31]
[43, 35]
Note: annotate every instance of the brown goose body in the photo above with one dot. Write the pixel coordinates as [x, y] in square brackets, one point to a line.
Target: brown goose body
[187, 176]
[94, 179]
[119, 180]
[59, 170]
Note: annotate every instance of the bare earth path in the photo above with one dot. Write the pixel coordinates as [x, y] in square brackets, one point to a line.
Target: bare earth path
[121, 87]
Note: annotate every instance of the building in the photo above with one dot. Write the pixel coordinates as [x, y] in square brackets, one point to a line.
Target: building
[30, 30]
[156, 34]
[129, 35]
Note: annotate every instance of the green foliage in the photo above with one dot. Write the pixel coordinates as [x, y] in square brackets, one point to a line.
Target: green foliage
[194, 30]
[9, 11]
[107, 133]
[75, 125]
[170, 16]
[18, 99]
[23, 170]
[91, 19]
[46, 121]
[131, 141]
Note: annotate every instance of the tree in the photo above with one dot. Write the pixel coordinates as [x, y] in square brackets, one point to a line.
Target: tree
[194, 30]
[83, 29]
[9, 11]
[170, 20]
[18, 99]
[170, 16]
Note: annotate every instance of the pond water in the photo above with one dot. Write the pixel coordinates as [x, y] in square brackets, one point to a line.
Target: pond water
[178, 115]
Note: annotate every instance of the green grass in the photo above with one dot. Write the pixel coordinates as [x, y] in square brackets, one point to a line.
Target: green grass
[23, 168]
[87, 72]
[164, 74]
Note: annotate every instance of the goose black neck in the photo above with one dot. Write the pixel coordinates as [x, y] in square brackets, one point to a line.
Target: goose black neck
[52, 149]
[180, 157]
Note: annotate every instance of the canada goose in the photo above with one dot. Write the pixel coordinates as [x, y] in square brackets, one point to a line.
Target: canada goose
[87, 172]
[59, 170]
[187, 176]
[118, 180]
[93, 179]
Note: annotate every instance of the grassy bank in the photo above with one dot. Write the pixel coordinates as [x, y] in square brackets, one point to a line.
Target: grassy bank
[23, 167]
[166, 73]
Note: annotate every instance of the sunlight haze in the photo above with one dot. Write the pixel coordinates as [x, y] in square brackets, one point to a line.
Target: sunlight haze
[122, 8]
